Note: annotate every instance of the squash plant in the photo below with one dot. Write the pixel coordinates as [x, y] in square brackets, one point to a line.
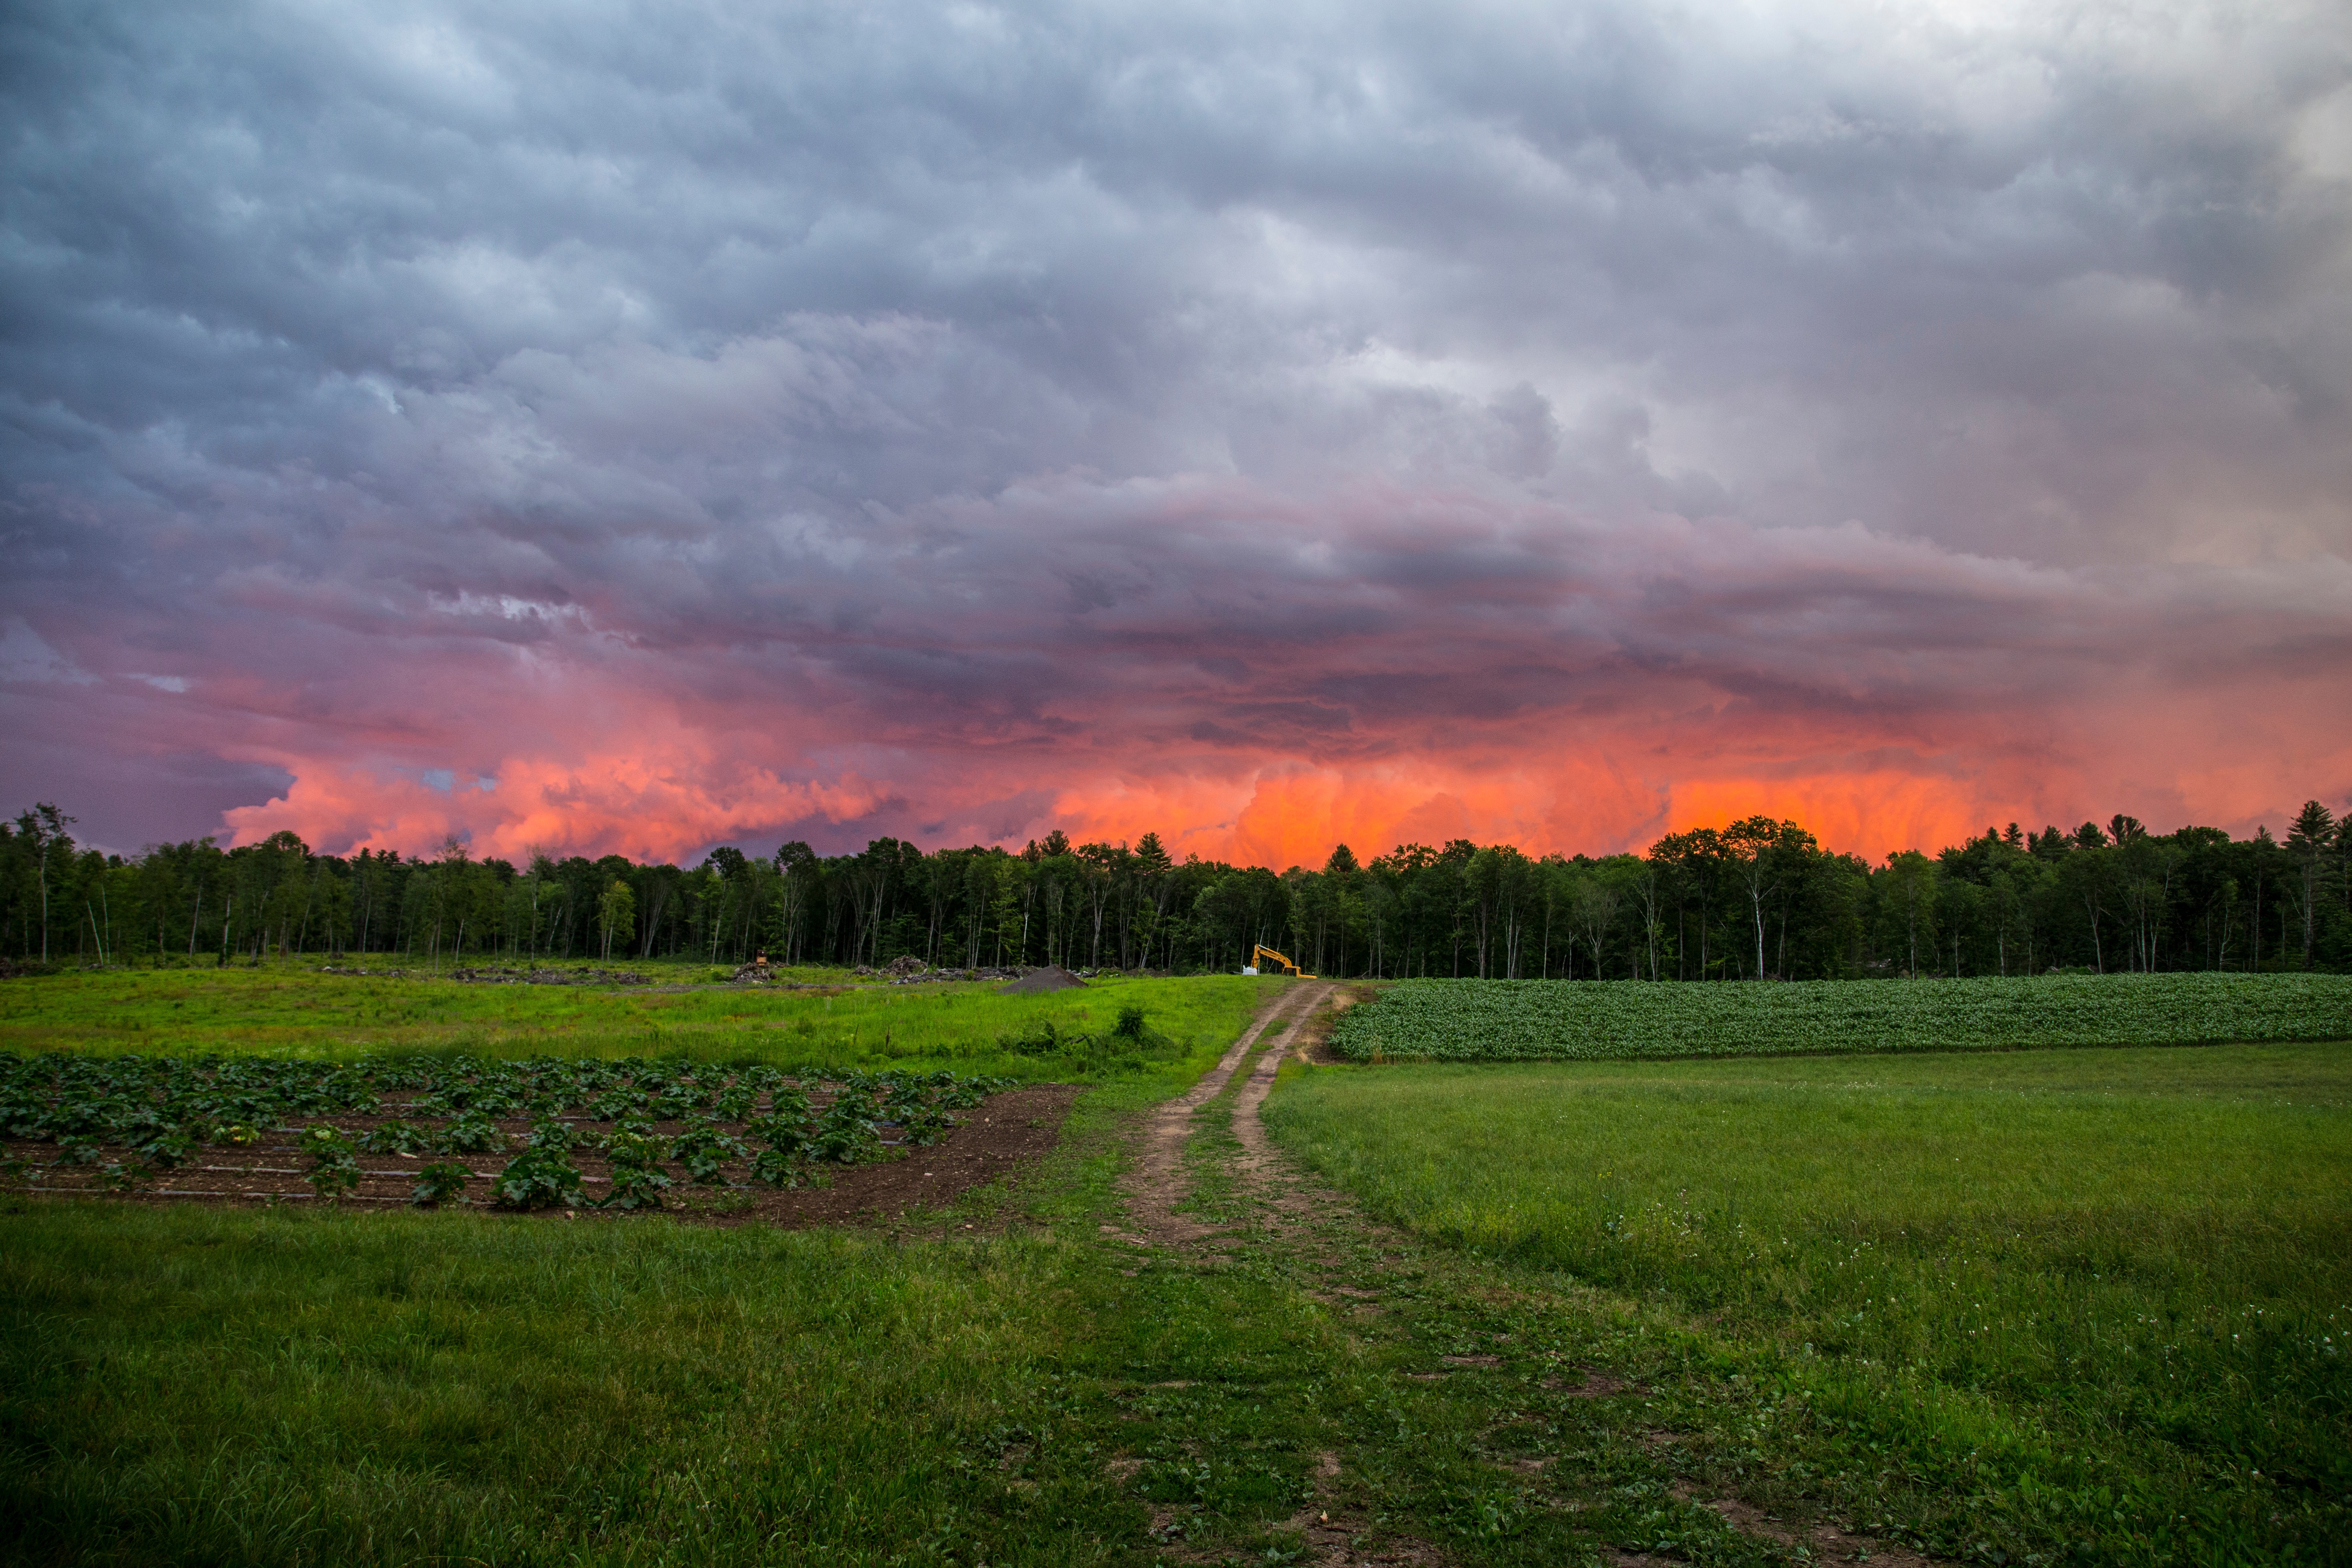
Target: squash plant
[703, 1150]
[440, 1182]
[540, 1179]
[471, 1132]
[334, 1162]
[396, 1137]
[638, 1181]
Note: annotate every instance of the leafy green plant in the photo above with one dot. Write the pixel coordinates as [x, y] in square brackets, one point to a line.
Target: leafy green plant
[334, 1162]
[780, 1167]
[677, 1104]
[789, 1134]
[549, 1133]
[638, 1181]
[704, 1151]
[239, 1134]
[920, 1126]
[540, 1179]
[613, 1105]
[440, 1182]
[470, 1133]
[164, 1150]
[396, 1137]
[845, 1135]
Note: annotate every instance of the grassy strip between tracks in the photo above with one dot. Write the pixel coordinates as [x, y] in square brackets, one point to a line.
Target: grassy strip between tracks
[1536, 1020]
[2087, 1304]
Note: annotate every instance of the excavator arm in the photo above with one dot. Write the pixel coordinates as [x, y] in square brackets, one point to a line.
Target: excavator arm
[1263, 952]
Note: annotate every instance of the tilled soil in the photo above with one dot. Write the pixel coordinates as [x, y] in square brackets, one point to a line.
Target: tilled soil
[1001, 1137]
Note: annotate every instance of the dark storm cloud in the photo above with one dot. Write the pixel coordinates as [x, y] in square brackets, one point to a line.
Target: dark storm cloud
[1328, 382]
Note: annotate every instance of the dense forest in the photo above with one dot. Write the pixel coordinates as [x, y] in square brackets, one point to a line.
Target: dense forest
[1759, 899]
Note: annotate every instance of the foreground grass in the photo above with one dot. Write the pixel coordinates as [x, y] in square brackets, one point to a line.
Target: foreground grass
[2103, 1296]
[188, 1386]
[297, 1011]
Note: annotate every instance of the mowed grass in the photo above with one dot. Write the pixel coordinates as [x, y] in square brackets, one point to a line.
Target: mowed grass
[2104, 1294]
[290, 1010]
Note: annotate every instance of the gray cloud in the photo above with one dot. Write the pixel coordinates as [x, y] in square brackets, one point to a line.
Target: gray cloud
[939, 365]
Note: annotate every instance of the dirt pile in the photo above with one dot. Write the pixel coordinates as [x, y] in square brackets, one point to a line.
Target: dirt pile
[1053, 977]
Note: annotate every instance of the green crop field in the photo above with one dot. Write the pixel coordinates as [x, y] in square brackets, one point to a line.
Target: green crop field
[2093, 1292]
[286, 1010]
[1523, 1020]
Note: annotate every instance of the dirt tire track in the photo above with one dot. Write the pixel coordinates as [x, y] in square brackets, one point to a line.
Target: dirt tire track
[1259, 1160]
[1300, 1211]
[1156, 1183]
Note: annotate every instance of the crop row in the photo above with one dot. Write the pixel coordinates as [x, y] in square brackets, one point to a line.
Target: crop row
[1522, 1020]
[126, 1123]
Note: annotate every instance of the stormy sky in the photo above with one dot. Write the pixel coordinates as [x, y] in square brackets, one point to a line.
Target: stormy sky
[632, 427]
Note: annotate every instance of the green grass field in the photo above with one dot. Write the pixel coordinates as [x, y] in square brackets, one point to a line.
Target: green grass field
[1539, 1020]
[2080, 1285]
[199, 1386]
[2034, 1308]
[290, 1011]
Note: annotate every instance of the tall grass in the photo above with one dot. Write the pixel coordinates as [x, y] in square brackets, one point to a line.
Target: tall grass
[349, 1390]
[2117, 1273]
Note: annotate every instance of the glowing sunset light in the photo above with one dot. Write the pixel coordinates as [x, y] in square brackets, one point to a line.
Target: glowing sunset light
[1611, 424]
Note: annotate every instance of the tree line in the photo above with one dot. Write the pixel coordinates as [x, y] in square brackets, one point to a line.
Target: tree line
[1756, 899]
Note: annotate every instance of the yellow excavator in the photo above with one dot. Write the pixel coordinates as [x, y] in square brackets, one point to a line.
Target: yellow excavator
[1283, 966]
